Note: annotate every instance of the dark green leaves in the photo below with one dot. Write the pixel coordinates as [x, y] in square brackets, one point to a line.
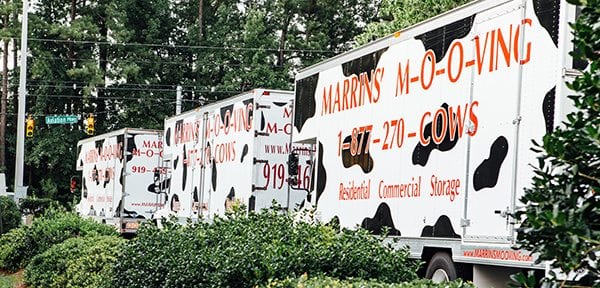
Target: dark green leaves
[248, 250]
[562, 217]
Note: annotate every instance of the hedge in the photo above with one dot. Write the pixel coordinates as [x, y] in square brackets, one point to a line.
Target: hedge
[19, 245]
[247, 250]
[322, 281]
[11, 217]
[77, 262]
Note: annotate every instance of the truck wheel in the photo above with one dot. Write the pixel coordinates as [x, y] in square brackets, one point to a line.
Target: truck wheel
[441, 268]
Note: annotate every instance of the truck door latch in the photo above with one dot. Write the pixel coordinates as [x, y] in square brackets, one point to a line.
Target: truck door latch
[465, 222]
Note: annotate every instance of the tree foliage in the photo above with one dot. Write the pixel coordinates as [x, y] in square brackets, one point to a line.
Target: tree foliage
[394, 15]
[121, 60]
[563, 205]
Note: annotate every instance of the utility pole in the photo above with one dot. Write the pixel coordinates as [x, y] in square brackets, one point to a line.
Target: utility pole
[20, 190]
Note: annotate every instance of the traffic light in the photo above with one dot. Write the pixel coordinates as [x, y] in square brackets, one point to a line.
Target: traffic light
[90, 125]
[293, 164]
[29, 129]
[73, 184]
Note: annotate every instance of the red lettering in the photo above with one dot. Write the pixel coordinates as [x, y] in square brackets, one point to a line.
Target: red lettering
[473, 118]
[429, 55]
[423, 140]
[439, 137]
[402, 80]
[454, 78]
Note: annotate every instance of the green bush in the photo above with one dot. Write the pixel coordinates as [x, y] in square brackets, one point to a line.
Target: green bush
[77, 262]
[248, 250]
[322, 281]
[13, 249]
[11, 218]
[36, 206]
[21, 244]
[561, 208]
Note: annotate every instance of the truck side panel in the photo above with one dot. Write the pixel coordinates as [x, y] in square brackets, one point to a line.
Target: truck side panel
[229, 142]
[429, 135]
[209, 155]
[182, 159]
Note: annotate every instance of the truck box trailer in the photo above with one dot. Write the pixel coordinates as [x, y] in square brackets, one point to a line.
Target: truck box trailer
[118, 175]
[427, 132]
[234, 150]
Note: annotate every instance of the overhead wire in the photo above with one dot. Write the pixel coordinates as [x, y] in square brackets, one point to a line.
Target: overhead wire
[84, 84]
[132, 86]
[136, 89]
[140, 61]
[199, 47]
[112, 98]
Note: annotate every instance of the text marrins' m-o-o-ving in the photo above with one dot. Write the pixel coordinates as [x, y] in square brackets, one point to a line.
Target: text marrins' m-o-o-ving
[104, 153]
[231, 121]
[186, 132]
[499, 48]
[352, 92]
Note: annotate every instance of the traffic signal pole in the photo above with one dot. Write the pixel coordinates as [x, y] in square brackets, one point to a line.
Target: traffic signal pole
[20, 190]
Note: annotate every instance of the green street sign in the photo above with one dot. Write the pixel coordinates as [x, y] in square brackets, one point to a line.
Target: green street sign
[61, 119]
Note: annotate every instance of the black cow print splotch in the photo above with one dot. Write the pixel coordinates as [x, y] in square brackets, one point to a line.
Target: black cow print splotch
[322, 173]
[441, 229]
[380, 221]
[487, 173]
[439, 40]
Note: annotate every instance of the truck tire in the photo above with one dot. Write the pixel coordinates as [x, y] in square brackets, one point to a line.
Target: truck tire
[441, 268]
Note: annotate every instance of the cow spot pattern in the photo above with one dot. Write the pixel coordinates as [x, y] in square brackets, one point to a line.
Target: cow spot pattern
[487, 173]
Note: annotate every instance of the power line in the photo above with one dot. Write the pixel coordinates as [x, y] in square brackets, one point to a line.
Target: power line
[199, 47]
[143, 62]
[81, 85]
[133, 88]
[137, 89]
[111, 98]
[84, 84]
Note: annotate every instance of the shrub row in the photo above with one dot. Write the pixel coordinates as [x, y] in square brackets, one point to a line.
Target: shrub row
[247, 250]
[20, 245]
[11, 217]
[322, 281]
[77, 262]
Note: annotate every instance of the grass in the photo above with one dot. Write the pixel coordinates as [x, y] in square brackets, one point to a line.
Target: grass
[11, 280]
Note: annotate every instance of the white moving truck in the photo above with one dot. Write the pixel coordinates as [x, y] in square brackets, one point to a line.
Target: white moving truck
[234, 150]
[427, 132]
[118, 179]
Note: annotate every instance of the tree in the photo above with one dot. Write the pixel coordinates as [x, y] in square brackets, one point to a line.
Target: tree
[63, 78]
[562, 216]
[399, 14]
[8, 28]
[290, 35]
[123, 59]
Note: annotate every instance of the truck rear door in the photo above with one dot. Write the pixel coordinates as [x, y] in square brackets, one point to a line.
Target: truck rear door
[496, 80]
